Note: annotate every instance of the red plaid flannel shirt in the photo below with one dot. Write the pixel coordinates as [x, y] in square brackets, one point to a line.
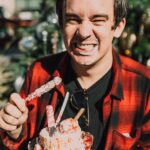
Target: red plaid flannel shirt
[126, 108]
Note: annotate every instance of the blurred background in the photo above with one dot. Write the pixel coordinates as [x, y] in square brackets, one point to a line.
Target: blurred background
[29, 30]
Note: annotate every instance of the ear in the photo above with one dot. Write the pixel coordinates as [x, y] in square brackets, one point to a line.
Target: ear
[119, 29]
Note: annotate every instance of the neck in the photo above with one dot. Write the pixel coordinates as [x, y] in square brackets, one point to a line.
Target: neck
[88, 75]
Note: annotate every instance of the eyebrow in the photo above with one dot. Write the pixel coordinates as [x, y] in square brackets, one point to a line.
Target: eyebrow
[100, 16]
[92, 17]
[72, 15]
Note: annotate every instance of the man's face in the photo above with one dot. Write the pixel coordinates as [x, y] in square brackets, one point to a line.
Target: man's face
[87, 30]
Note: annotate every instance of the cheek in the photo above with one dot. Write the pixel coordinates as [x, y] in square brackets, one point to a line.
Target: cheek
[104, 32]
[69, 31]
[105, 28]
[105, 36]
[67, 38]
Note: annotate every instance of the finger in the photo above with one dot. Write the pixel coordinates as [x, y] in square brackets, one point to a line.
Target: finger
[10, 120]
[23, 117]
[12, 110]
[5, 126]
[18, 101]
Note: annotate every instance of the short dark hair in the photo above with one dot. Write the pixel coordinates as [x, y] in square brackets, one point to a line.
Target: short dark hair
[120, 11]
[59, 11]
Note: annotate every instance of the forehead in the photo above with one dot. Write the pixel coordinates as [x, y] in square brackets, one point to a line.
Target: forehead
[89, 6]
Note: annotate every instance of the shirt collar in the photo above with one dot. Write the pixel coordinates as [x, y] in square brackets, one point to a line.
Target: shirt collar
[116, 91]
[61, 71]
[117, 88]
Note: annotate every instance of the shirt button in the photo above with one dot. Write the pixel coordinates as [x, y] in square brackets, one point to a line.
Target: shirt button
[138, 146]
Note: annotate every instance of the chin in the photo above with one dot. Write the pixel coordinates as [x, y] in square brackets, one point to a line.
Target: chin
[83, 62]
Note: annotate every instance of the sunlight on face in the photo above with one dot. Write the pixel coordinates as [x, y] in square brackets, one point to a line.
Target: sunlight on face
[88, 32]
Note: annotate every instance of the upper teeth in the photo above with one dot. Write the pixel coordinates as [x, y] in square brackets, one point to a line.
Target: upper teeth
[86, 46]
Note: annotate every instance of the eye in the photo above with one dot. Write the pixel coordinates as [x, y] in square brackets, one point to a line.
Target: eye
[72, 20]
[99, 21]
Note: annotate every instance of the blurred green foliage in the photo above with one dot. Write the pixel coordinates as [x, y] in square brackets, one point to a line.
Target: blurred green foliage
[135, 39]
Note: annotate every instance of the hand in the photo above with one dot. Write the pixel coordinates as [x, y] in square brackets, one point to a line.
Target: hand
[13, 115]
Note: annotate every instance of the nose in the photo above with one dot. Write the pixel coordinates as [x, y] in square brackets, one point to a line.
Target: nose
[84, 30]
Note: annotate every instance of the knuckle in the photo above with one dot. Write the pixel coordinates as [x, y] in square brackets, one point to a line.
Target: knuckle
[23, 119]
[1, 123]
[12, 121]
[11, 128]
[26, 111]
[6, 127]
[7, 107]
[2, 126]
[1, 112]
[12, 110]
[12, 96]
[9, 120]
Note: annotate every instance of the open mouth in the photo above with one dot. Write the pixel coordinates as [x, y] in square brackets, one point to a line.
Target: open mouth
[85, 48]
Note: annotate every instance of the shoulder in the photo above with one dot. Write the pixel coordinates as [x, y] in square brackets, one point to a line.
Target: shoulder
[136, 78]
[43, 68]
[134, 67]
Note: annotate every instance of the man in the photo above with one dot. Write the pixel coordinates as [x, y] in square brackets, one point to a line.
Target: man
[114, 90]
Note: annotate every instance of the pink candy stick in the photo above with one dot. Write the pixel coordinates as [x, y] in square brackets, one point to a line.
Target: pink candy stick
[50, 116]
[44, 88]
[62, 108]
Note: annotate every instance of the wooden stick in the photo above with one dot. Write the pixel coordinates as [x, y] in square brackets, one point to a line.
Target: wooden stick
[78, 115]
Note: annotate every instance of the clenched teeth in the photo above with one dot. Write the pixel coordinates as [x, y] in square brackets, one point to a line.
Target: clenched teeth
[86, 46]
